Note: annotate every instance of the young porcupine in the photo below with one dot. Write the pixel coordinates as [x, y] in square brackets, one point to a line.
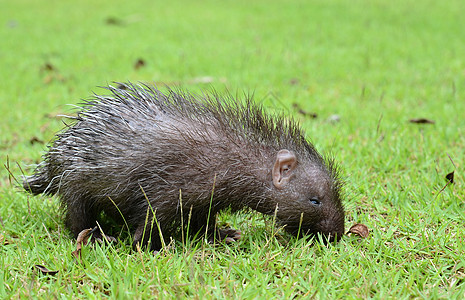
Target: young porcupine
[139, 148]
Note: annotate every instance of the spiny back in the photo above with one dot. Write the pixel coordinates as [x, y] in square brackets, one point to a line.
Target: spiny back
[134, 106]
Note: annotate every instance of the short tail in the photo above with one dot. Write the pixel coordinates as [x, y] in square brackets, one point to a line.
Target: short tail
[37, 184]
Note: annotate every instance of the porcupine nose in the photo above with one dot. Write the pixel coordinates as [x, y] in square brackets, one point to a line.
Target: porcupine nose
[331, 230]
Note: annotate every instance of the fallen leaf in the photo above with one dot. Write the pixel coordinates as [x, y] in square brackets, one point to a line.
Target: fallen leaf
[82, 239]
[114, 21]
[421, 121]
[312, 115]
[139, 64]
[294, 81]
[35, 140]
[303, 112]
[44, 270]
[359, 229]
[48, 67]
[450, 177]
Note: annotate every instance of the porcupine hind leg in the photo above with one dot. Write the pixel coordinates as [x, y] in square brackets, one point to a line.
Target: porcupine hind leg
[81, 214]
[228, 235]
[148, 234]
[214, 233]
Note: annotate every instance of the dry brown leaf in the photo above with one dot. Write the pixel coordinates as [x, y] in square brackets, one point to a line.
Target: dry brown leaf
[450, 180]
[303, 112]
[48, 67]
[450, 177]
[311, 115]
[82, 239]
[44, 270]
[294, 81]
[35, 140]
[421, 121]
[139, 64]
[360, 230]
[114, 21]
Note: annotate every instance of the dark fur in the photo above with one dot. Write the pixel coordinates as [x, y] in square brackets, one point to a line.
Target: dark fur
[140, 140]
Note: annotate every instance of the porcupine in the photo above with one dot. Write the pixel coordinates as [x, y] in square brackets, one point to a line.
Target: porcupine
[148, 152]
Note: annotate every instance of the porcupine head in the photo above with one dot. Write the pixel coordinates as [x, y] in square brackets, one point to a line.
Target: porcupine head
[307, 192]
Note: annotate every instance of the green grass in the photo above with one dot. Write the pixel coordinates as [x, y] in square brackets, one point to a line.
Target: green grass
[375, 64]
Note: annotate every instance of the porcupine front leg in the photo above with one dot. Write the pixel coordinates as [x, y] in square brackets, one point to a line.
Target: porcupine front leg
[79, 215]
[82, 214]
[214, 233]
[147, 233]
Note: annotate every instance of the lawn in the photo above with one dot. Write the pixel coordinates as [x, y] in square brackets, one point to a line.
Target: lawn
[353, 73]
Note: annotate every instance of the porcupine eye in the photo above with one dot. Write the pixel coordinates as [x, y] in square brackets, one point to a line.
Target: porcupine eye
[315, 201]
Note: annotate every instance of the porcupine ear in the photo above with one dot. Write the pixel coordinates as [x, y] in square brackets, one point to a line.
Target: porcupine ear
[283, 168]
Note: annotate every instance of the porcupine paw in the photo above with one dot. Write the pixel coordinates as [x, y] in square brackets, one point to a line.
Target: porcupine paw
[227, 235]
[100, 237]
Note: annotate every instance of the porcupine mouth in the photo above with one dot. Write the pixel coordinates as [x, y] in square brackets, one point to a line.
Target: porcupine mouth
[318, 235]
